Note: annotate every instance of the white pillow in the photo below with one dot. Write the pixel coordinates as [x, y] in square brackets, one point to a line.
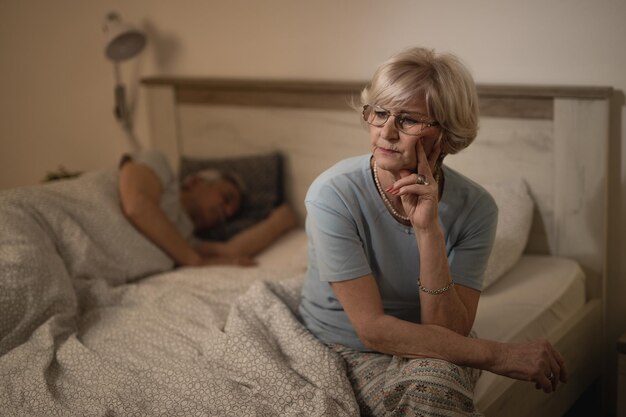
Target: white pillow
[515, 214]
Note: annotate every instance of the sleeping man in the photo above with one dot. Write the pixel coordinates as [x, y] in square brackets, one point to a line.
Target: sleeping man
[167, 213]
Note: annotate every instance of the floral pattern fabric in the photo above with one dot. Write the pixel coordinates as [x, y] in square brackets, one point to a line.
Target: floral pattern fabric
[393, 386]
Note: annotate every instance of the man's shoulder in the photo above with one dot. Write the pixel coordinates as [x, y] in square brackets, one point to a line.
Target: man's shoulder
[149, 157]
[154, 160]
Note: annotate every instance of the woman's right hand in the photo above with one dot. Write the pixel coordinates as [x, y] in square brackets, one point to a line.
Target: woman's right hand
[537, 361]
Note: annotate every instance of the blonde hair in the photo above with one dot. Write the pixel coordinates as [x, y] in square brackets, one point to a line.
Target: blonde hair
[442, 80]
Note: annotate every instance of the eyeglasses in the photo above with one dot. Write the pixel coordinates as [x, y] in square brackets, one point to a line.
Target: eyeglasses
[377, 116]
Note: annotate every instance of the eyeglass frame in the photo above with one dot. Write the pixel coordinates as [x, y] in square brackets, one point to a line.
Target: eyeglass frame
[398, 118]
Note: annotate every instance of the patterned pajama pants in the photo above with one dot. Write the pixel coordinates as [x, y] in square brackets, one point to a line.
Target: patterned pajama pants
[392, 386]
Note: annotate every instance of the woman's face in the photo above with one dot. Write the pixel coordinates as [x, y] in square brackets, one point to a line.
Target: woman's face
[394, 150]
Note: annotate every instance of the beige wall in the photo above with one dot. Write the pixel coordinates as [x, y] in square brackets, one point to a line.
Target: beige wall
[56, 86]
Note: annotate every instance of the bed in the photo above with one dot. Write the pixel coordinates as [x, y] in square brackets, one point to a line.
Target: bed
[94, 321]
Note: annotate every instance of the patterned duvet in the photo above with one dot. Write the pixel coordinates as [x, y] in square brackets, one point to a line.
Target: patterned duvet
[94, 322]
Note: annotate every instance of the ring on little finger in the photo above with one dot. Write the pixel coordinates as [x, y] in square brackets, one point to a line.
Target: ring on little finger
[421, 180]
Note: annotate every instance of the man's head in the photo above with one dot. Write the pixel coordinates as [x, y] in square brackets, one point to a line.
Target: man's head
[210, 197]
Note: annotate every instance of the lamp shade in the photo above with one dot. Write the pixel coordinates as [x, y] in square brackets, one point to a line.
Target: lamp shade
[123, 41]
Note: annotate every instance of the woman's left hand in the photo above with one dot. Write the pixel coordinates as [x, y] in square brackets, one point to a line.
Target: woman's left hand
[420, 200]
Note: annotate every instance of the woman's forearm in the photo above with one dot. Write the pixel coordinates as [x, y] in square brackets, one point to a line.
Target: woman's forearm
[445, 309]
[535, 361]
[393, 336]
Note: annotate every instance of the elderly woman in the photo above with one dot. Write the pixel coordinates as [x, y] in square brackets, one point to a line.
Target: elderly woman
[398, 244]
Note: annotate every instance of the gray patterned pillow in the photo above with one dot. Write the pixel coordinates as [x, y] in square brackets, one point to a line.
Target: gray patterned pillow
[262, 177]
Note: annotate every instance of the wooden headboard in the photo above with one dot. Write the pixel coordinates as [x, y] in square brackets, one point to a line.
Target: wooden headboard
[555, 137]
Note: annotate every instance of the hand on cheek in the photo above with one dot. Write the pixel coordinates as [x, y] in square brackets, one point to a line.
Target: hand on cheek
[434, 155]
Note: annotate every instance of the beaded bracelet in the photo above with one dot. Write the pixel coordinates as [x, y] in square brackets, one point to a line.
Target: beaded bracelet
[438, 290]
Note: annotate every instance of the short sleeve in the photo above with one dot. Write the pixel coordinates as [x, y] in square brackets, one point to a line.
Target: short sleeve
[339, 250]
[170, 195]
[156, 161]
[469, 255]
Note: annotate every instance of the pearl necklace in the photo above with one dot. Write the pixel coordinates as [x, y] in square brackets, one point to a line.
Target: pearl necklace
[393, 211]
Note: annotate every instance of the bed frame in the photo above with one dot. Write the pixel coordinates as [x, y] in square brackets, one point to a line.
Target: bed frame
[556, 138]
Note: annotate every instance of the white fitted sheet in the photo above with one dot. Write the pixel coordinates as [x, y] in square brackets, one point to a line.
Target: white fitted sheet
[531, 301]
[288, 254]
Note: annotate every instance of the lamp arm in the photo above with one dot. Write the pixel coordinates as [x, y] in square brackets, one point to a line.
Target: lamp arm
[121, 108]
[122, 115]
[123, 42]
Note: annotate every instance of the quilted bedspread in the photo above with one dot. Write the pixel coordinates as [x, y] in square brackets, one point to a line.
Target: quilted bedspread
[95, 322]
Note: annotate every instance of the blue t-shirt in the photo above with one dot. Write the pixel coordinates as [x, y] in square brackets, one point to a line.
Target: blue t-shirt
[351, 234]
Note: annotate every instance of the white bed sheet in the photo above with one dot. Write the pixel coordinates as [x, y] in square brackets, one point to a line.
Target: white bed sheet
[530, 301]
[288, 254]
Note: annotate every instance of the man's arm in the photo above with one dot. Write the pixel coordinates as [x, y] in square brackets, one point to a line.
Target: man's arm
[140, 193]
[253, 240]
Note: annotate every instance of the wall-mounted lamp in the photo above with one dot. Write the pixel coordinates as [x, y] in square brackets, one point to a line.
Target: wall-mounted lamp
[123, 42]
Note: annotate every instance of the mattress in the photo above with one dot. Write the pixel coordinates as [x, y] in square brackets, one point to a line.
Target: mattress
[530, 301]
